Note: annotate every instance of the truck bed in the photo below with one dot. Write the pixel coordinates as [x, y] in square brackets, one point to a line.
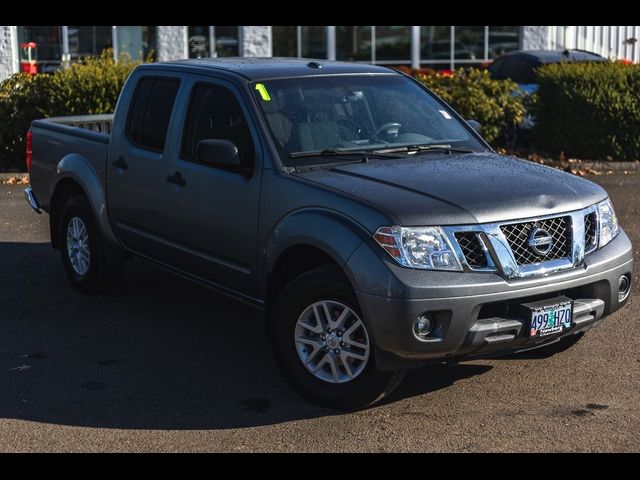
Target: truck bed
[94, 123]
[83, 138]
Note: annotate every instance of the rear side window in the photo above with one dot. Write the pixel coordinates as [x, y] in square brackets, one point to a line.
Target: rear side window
[214, 113]
[150, 112]
[520, 70]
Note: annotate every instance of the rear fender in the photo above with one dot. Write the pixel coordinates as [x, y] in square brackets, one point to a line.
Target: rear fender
[80, 170]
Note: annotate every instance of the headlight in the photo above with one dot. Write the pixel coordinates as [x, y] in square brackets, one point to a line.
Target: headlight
[418, 247]
[609, 227]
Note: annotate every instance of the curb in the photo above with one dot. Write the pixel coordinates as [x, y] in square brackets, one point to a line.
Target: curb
[7, 176]
[608, 166]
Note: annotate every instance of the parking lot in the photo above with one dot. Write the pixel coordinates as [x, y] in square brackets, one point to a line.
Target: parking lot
[162, 364]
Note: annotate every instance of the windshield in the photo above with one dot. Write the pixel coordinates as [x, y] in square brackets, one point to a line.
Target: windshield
[356, 113]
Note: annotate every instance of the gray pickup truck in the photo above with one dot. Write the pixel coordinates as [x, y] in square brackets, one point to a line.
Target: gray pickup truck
[374, 226]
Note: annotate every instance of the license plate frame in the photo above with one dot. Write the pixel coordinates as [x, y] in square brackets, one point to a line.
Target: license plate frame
[548, 317]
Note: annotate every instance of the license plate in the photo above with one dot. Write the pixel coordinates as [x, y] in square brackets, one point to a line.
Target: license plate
[550, 320]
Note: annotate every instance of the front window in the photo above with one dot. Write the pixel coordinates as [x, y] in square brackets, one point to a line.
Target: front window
[356, 113]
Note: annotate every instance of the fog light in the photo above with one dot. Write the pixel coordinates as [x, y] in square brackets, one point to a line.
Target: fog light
[624, 287]
[422, 327]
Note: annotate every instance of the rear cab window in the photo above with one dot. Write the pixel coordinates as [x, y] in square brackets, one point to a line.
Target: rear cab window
[150, 112]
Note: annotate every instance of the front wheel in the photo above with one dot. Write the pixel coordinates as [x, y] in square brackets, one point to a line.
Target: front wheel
[324, 347]
[90, 266]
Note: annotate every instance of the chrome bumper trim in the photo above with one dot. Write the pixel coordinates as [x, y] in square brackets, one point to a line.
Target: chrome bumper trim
[500, 257]
[32, 200]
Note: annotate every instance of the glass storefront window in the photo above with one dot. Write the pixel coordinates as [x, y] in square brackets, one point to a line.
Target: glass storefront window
[137, 42]
[353, 43]
[89, 41]
[227, 41]
[503, 40]
[314, 42]
[199, 42]
[469, 43]
[435, 43]
[393, 44]
[48, 45]
[284, 41]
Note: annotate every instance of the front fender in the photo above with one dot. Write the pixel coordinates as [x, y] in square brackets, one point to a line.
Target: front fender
[80, 170]
[332, 232]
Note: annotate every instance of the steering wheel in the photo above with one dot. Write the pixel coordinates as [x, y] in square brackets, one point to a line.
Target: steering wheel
[385, 128]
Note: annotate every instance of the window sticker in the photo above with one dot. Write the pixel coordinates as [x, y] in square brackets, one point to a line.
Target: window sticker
[445, 114]
[263, 92]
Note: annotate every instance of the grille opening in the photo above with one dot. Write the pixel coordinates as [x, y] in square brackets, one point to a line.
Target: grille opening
[517, 234]
[590, 226]
[472, 249]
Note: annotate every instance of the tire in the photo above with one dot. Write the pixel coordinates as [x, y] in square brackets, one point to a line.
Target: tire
[103, 267]
[368, 384]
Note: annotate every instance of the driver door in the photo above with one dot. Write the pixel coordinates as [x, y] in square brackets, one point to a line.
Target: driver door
[211, 212]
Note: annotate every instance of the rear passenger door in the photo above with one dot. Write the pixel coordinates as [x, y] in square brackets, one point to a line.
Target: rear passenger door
[212, 212]
[137, 161]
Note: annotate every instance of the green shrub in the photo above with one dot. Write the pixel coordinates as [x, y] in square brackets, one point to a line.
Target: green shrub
[474, 95]
[88, 87]
[91, 86]
[589, 110]
[23, 98]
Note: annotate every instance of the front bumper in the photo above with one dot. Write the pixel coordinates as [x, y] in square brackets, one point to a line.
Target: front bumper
[477, 313]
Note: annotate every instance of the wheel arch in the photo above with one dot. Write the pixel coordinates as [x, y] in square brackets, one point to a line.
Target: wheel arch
[306, 239]
[74, 175]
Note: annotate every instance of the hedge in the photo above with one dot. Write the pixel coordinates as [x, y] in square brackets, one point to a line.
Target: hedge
[589, 110]
[474, 95]
[91, 86]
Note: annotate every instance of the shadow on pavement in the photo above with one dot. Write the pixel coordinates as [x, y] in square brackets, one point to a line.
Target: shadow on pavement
[157, 353]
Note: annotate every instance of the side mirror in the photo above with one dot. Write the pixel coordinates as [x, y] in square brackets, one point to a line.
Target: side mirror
[476, 126]
[219, 153]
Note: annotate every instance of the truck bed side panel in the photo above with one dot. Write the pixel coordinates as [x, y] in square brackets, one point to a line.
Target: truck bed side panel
[54, 142]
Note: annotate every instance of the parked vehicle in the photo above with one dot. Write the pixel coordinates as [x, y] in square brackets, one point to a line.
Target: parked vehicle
[520, 66]
[377, 230]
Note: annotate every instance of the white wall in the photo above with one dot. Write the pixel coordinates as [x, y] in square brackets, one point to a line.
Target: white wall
[172, 43]
[609, 41]
[8, 51]
[256, 41]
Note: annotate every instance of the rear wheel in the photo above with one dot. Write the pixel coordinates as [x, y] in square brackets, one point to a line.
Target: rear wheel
[323, 345]
[88, 263]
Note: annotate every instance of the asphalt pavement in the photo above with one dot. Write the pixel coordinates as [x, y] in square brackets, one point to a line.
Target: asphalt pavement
[162, 364]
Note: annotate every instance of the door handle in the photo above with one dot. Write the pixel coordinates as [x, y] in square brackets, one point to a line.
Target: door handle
[120, 163]
[177, 179]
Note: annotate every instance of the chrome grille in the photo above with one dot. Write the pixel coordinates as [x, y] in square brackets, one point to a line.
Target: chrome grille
[472, 249]
[590, 233]
[517, 235]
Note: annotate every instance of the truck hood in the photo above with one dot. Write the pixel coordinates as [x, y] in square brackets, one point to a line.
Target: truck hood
[435, 189]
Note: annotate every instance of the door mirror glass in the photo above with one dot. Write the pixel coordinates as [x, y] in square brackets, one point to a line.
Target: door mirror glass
[219, 153]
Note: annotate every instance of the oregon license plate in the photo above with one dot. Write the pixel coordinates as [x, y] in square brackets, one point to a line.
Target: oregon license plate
[551, 319]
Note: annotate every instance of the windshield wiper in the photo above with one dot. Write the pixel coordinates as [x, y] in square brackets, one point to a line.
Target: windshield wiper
[343, 153]
[412, 149]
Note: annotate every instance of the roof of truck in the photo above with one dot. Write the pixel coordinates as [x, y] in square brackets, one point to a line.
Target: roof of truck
[261, 68]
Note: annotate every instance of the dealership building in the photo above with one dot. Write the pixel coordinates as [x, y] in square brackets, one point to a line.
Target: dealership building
[46, 48]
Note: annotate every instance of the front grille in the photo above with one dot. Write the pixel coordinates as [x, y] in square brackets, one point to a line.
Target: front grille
[517, 235]
[472, 249]
[590, 226]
